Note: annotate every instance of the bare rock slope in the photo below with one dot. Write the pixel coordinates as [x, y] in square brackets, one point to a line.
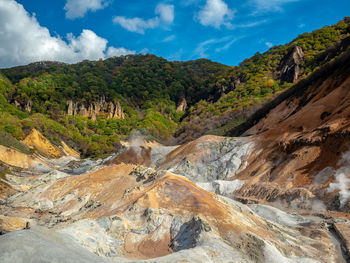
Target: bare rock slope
[302, 144]
[126, 212]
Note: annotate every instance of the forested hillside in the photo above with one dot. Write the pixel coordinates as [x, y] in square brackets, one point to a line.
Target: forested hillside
[259, 78]
[149, 89]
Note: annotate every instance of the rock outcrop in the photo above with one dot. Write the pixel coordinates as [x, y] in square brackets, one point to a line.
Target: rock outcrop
[35, 140]
[189, 233]
[291, 65]
[43, 157]
[182, 106]
[343, 231]
[28, 106]
[208, 158]
[92, 110]
[142, 152]
[68, 150]
[25, 105]
[15, 158]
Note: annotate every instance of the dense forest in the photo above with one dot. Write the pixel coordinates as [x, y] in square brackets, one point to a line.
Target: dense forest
[149, 88]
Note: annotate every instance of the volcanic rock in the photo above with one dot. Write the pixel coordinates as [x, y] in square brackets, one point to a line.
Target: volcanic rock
[302, 143]
[182, 105]
[291, 65]
[92, 110]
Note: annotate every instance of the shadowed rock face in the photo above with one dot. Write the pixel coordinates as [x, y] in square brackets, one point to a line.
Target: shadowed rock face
[24, 105]
[291, 65]
[189, 233]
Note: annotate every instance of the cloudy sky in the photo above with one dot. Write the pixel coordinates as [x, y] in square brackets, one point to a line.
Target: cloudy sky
[226, 31]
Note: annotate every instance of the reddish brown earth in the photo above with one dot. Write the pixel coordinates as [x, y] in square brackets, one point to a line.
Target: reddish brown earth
[133, 155]
[305, 133]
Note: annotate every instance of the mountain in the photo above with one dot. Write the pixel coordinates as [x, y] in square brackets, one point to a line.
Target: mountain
[83, 178]
[260, 78]
[94, 104]
[114, 96]
[302, 140]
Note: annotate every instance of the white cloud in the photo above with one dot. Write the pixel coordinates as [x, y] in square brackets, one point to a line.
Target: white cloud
[169, 38]
[203, 47]
[136, 24]
[116, 52]
[176, 56]
[165, 16]
[88, 44]
[145, 51]
[228, 44]
[264, 6]
[23, 40]
[215, 13]
[269, 44]
[78, 8]
[166, 13]
[252, 24]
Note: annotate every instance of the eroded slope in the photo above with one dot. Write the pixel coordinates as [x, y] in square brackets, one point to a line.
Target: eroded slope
[301, 145]
[127, 211]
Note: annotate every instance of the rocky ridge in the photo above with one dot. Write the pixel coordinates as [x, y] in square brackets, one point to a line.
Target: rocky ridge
[301, 144]
[92, 110]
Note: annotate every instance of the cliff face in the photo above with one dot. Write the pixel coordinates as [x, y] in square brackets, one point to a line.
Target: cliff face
[99, 107]
[291, 65]
[24, 105]
[182, 106]
[35, 140]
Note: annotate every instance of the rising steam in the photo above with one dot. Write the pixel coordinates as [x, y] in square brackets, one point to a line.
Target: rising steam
[342, 180]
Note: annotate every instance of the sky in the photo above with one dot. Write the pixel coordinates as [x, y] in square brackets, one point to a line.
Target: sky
[225, 31]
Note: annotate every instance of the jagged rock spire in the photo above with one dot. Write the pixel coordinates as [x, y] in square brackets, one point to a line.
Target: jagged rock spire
[99, 107]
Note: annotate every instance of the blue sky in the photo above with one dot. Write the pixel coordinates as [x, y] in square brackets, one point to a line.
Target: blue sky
[225, 31]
